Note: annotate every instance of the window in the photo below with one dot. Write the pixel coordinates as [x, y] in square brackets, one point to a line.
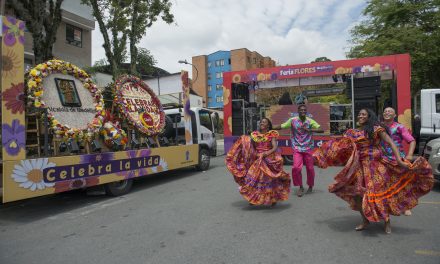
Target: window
[205, 119]
[209, 64]
[209, 87]
[255, 60]
[218, 75]
[74, 35]
[437, 103]
[219, 87]
[209, 76]
[219, 99]
[209, 99]
[229, 61]
[217, 63]
[222, 62]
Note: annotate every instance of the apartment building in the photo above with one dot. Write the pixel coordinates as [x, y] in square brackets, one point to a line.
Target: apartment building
[208, 78]
[74, 35]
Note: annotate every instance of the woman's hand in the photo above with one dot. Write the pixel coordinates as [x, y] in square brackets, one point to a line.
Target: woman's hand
[402, 164]
[409, 157]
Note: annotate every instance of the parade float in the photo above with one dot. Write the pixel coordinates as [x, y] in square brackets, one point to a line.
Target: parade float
[58, 136]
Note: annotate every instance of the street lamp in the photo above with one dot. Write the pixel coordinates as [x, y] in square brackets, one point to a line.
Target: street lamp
[197, 71]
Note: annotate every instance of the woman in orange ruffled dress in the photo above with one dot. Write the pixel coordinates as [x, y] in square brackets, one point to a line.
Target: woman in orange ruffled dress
[258, 168]
[371, 184]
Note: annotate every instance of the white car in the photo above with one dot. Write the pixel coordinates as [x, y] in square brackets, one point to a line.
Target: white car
[432, 155]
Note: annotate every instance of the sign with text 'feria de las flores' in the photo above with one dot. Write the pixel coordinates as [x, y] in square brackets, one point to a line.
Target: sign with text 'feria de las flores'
[139, 105]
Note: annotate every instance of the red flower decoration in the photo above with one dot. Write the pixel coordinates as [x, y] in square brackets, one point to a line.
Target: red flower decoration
[15, 98]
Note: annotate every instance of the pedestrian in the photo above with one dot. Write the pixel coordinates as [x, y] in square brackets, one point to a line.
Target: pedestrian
[398, 134]
[370, 183]
[301, 128]
[416, 131]
[257, 167]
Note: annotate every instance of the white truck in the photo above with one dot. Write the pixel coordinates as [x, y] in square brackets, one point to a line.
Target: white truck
[430, 116]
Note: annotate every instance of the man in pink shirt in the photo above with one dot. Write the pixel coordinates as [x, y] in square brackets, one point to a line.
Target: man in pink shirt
[398, 133]
[301, 128]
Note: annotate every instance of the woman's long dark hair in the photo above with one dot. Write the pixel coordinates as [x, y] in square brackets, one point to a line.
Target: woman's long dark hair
[372, 121]
[268, 121]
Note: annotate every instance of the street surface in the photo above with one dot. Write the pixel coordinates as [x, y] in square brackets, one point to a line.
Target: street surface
[199, 217]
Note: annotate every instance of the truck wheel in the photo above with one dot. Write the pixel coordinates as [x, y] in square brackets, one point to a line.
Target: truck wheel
[118, 188]
[204, 160]
[288, 159]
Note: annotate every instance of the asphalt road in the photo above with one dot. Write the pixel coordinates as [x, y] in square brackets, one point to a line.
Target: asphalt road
[199, 217]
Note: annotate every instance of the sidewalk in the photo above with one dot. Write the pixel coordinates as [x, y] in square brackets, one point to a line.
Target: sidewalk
[220, 147]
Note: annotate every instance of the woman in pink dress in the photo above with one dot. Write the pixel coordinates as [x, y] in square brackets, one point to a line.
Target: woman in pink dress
[370, 183]
[258, 168]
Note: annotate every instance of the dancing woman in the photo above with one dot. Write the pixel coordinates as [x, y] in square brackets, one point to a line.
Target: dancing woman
[370, 183]
[258, 168]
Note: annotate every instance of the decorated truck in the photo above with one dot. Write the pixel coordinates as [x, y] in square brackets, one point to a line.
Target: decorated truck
[334, 92]
[58, 133]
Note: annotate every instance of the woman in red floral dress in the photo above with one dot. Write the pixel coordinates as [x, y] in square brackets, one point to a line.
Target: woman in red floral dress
[258, 168]
[371, 184]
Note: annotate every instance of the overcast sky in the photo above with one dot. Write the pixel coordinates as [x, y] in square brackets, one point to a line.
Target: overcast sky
[289, 31]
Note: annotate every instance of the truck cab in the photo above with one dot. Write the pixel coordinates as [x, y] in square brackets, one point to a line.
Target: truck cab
[204, 124]
[430, 116]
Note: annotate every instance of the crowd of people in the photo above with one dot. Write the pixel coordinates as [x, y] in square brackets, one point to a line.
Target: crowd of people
[377, 178]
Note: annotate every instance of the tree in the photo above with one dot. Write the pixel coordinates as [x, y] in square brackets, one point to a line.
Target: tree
[145, 62]
[111, 16]
[320, 59]
[42, 19]
[126, 20]
[143, 14]
[402, 26]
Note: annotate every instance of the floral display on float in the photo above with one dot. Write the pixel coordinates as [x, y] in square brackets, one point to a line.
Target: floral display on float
[139, 105]
[112, 133]
[35, 90]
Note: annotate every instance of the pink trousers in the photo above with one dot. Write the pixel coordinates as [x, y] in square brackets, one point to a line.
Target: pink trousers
[300, 158]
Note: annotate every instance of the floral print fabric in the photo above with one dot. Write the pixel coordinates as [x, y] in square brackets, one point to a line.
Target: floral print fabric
[384, 187]
[261, 180]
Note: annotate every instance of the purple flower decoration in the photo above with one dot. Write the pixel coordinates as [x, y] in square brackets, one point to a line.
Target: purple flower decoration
[139, 172]
[96, 158]
[13, 137]
[13, 31]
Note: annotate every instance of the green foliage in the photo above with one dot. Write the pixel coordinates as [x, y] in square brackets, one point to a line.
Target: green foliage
[145, 62]
[320, 59]
[42, 19]
[402, 26]
[336, 99]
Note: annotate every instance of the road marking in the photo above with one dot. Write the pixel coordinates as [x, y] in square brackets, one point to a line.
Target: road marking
[428, 253]
[430, 202]
[102, 205]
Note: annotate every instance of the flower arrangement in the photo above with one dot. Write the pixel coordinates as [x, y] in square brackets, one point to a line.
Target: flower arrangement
[148, 119]
[112, 132]
[35, 92]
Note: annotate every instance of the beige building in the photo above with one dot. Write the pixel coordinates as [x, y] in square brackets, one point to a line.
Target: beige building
[74, 36]
[208, 71]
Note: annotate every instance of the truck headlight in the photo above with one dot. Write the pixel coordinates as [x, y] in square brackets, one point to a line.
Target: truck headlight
[438, 151]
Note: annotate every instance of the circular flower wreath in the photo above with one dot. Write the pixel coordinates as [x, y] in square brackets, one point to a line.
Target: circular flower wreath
[123, 106]
[35, 91]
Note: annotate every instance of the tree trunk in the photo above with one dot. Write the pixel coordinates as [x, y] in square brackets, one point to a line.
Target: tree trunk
[133, 39]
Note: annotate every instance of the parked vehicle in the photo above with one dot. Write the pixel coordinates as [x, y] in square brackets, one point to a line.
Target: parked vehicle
[432, 155]
[430, 116]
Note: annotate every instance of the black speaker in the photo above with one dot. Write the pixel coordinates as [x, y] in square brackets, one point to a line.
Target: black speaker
[367, 87]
